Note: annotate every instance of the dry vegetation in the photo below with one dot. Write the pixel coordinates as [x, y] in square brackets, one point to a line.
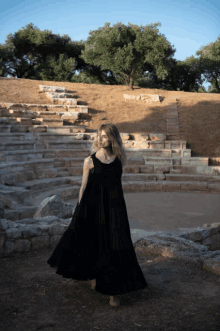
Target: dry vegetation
[199, 113]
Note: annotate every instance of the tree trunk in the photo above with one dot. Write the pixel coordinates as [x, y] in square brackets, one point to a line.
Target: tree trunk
[217, 85]
[130, 84]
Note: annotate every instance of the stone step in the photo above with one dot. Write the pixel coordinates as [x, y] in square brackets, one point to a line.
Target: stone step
[152, 147]
[17, 120]
[46, 88]
[42, 128]
[62, 101]
[8, 113]
[65, 192]
[81, 136]
[71, 190]
[30, 154]
[14, 151]
[19, 172]
[20, 213]
[44, 107]
[63, 120]
[45, 183]
[53, 95]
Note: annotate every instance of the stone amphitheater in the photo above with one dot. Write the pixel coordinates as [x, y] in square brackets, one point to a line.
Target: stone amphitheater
[42, 150]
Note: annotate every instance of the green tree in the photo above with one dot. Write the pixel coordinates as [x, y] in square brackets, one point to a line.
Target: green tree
[182, 75]
[30, 51]
[210, 59]
[128, 51]
[59, 70]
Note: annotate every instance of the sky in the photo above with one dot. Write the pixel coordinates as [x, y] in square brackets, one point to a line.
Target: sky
[187, 26]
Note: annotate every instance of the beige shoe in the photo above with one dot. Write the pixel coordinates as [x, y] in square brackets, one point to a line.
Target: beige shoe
[93, 283]
[114, 301]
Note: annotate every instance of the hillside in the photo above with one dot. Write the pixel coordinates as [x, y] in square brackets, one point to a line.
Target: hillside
[199, 113]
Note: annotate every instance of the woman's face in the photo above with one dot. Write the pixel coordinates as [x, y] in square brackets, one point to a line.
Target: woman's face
[103, 139]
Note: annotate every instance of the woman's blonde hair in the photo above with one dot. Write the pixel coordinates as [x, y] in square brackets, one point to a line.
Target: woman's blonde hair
[114, 137]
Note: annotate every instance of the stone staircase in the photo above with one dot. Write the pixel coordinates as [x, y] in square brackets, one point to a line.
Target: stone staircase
[42, 149]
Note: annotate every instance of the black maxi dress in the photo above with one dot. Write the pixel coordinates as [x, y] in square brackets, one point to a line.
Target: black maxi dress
[97, 244]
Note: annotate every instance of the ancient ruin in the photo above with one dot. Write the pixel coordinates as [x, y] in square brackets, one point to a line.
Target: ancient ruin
[41, 155]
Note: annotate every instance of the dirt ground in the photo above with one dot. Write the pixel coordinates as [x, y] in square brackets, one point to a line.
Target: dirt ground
[199, 113]
[180, 296]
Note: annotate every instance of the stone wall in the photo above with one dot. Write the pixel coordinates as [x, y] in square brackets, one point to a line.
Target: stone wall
[35, 234]
[208, 235]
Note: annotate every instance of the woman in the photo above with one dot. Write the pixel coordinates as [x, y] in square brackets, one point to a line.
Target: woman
[97, 244]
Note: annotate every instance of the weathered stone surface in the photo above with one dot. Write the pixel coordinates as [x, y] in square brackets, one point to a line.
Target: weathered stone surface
[22, 245]
[6, 224]
[2, 210]
[29, 231]
[176, 247]
[40, 242]
[199, 234]
[215, 243]
[52, 95]
[9, 247]
[54, 206]
[2, 240]
[213, 264]
[148, 98]
[57, 229]
[13, 233]
[46, 88]
[158, 136]
[54, 240]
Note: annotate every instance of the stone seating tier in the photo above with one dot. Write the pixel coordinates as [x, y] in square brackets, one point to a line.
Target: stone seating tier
[41, 107]
[66, 190]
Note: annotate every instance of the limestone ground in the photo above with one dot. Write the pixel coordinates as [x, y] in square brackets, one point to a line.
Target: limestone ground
[180, 296]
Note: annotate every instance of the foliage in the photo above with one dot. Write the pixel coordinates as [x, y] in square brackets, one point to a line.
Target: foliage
[182, 75]
[128, 51]
[210, 60]
[59, 70]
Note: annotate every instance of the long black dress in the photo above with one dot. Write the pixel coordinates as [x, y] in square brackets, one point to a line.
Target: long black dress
[97, 244]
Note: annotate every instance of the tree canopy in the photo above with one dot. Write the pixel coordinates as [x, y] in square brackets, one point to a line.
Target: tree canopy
[210, 60]
[128, 51]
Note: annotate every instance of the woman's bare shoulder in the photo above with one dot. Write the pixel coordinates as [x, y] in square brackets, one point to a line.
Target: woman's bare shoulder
[89, 161]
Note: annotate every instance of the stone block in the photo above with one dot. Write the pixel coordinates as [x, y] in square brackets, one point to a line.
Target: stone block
[13, 233]
[131, 97]
[6, 224]
[215, 244]
[37, 128]
[2, 240]
[46, 88]
[134, 136]
[68, 101]
[55, 229]
[207, 241]
[40, 242]
[215, 228]
[54, 240]
[199, 234]
[153, 186]
[136, 186]
[193, 186]
[150, 98]
[212, 265]
[30, 231]
[22, 245]
[44, 229]
[8, 248]
[170, 186]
